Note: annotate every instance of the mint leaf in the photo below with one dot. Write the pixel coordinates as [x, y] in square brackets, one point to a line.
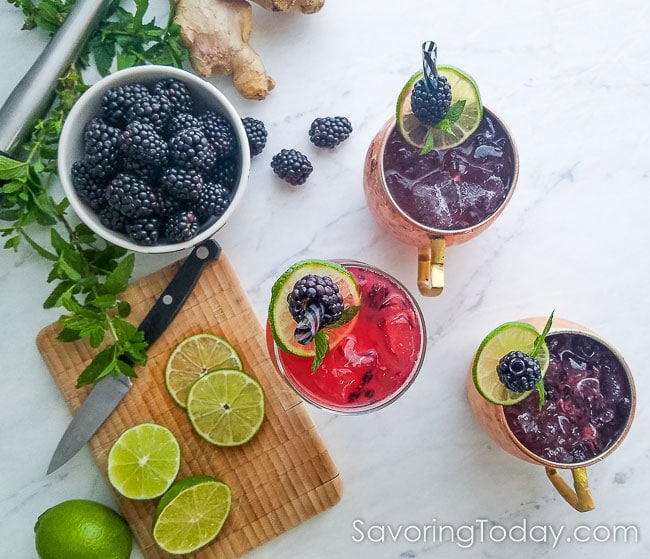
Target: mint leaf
[540, 391]
[102, 365]
[539, 341]
[348, 314]
[118, 279]
[455, 112]
[321, 347]
[429, 142]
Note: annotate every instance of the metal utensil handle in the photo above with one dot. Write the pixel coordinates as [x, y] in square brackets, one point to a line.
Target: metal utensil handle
[33, 94]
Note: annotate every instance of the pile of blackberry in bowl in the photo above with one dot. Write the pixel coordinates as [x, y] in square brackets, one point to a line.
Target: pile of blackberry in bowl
[153, 159]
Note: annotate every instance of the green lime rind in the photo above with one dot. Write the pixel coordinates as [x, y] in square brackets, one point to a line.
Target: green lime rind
[280, 320]
[511, 336]
[191, 513]
[463, 88]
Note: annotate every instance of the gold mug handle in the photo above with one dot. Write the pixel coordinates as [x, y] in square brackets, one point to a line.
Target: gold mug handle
[581, 498]
[431, 268]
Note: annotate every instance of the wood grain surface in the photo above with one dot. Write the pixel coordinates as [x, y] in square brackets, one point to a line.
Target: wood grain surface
[279, 479]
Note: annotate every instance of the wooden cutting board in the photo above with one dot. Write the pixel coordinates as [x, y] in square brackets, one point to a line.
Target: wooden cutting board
[279, 479]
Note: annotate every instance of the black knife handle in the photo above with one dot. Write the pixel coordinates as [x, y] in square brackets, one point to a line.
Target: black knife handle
[172, 299]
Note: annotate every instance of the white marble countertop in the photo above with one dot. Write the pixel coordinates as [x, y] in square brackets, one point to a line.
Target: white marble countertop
[572, 82]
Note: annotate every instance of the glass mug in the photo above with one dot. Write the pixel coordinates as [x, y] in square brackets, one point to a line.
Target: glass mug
[431, 241]
[494, 420]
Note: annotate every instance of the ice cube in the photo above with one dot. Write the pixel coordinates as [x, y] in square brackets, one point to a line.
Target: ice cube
[355, 358]
[398, 333]
[431, 206]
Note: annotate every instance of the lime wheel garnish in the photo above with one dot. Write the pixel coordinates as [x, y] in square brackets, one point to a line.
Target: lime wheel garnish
[511, 336]
[463, 88]
[283, 324]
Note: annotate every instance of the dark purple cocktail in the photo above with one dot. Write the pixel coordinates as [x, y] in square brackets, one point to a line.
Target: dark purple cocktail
[588, 402]
[456, 188]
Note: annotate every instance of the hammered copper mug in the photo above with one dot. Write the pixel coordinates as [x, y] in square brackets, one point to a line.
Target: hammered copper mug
[492, 419]
[431, 242]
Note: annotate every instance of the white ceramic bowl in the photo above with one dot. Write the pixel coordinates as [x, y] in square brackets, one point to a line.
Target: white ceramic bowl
[205, 97]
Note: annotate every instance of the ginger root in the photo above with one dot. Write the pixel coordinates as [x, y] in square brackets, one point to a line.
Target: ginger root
[304, 6]
[216, 33]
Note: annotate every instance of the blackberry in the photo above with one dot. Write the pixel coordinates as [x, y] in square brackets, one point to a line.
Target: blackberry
[101, 147]
[154, 109]
[168, 205]
[319, 290]
[518, 371]
[181, 121]
[176, 92]
[144, 231]
[430, 101]
[329, 132]
[256, 134]
[143, 146]
[184, 185]
[117, 101]
[182, 227]
[191, 149]
[291, 166]
[220, 132]
[149, 172]
[112, 218]
[226, 173]
[213, 201]
[91, 189]
[132, 196]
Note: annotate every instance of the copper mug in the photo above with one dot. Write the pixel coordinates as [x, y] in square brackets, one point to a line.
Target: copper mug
[431, 242]
[492, 418]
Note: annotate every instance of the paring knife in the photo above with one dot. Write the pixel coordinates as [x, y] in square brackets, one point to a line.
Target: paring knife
[109, 392]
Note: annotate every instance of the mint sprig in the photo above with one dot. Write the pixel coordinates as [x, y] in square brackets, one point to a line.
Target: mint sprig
[322, 340]
[539, 341]
[446, 124]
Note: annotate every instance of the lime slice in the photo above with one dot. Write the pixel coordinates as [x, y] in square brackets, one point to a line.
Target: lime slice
[191, 514]
[280, 319]
[463, 87]
[144, 460]
[226, 407]
[511, 336]
[194, 357]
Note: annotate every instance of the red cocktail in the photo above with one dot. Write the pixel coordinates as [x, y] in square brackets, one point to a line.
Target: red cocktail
[375, 360]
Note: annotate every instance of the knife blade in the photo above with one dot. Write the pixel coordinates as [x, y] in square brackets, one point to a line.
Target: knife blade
[109, 392]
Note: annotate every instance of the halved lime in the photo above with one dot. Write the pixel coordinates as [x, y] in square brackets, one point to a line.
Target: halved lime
[226, 407]
[282, 323]
[194, 357]
[511, 336]
[463, 87]
[191, 513]
[144, 461]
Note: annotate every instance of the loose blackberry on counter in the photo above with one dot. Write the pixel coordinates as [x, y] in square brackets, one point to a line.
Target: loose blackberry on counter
[329, 132]
[256, 134]
[292, 166]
